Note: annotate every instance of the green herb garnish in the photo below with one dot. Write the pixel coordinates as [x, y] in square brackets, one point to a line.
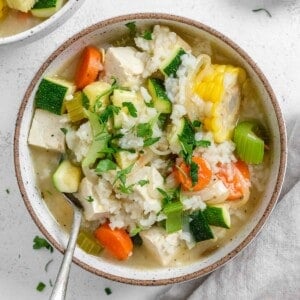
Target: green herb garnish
[132, 27]
[108, 291]
[64, 130]
[41, 286]
[47, 265]
[197, 123]
[194, 172]
[203, 143]
[150, 141]
[143, 182]
[147, 35]
[144, 130]
[121, 175]
[131, 108]
[39, 243]
[7, 191]
[89, 199]
[85, 101]
[105, 165]
[262, 9]
[109, 111]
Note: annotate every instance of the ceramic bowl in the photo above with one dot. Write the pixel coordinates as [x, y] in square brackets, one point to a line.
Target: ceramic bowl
[101, 33]
[43, 28]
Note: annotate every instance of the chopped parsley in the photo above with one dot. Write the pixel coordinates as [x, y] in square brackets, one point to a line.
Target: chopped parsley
[170, 196]
[108, 112]
[47, 265]
[126, 189]
[147, 35]
[7, 191]
[150, 141]
[41, 286]
[131, 108]
[203, 143]
[89, 199]
[197, 123]
[64, 130]
[143, 182]
[39, 243]
[132, 27]
[50, 282]
[262, 9]
[150, 103]
[144, 130]
[121, 175]
[135, 231]
[105, 165]
[108, 291]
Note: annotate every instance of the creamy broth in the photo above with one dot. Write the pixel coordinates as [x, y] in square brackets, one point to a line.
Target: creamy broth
[46, 162]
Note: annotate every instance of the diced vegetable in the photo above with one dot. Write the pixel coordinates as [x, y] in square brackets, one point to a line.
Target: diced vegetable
[51, 94]
[173, 211]
[89, 67]
[200, 228]
[75, 107]
[46, 8]
[21, 5]
[158, 93]
[221, 87]
[236, 177]
[67, 177]
[100, 140]
[249, 147]
[183, 175]
[170, 66]
[88, 243]
[97, 94]
[124, 158]
[116, 241]
[175, 132]
[217, 215]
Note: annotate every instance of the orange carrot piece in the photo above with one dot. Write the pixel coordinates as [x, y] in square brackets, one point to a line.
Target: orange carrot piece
[116, 241]
[236, 177]
[89, 67]
[182, 175]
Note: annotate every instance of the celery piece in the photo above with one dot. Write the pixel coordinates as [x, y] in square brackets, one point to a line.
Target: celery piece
[173, 211]
[88, 243]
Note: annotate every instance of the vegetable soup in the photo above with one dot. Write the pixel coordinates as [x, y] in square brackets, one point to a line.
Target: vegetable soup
[164, 144]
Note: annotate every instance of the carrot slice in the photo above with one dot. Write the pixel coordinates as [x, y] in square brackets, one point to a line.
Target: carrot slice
[116, 241]
[236, 177]
[89, 67]
[182, 175]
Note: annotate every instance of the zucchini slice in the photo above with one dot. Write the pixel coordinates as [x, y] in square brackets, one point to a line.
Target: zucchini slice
[158, 93]
[200, 228]
[217, 215]
[170, 66]
[51, 94]
[46, 8]
[66, 178]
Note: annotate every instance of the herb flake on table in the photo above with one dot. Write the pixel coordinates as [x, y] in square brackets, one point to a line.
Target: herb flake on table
[262, 9]
[47, 265]
[7, 191]
[108, 291]
[39, 243]
[41, 286]
[131, 108]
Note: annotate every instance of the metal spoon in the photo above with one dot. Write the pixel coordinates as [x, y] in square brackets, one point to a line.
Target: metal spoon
[61, 282]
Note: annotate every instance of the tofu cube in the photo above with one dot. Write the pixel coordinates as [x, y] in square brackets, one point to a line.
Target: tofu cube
[45, 131]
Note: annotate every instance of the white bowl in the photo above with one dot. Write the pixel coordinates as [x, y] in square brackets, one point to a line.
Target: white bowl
[45, 27]
[107, 31]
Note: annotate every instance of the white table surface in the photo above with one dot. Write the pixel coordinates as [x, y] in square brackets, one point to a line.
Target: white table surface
[274, 43]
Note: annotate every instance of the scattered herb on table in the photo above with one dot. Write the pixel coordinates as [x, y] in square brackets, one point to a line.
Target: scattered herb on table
[131, 108]
[41, 286]
[47, 264]
[7, 191]
[50, 282]
[262, 9]
[39, 243]
[89, 199]
[107, 291]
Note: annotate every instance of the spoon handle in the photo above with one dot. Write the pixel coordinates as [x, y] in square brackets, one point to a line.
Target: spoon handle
[60, 286]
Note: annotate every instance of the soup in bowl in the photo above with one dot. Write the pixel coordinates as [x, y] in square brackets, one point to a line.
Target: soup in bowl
[169, 136]
[26, 19]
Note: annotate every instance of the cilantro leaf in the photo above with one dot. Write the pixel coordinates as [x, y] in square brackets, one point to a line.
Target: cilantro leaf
[197, 123]
[107, 291]
[143, 182]
[144, 130]
[150, 141]
[105, 165]
[64, 130]
[121, 175]
[39, 243]
[203, 143]
[132, 27]
[147, 35]
[126, 189]
[150, 103]
[131, 108]
[109, 111]
[89, 199]
[41, 286]
[194, 172]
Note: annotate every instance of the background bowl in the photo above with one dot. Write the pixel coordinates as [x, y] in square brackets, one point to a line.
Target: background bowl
[45, 27]
[102, 33]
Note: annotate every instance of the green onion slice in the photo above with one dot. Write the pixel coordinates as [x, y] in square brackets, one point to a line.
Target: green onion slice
[173, 211]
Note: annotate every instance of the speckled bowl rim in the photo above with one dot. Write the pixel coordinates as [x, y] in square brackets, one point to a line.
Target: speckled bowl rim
[40, 29]
[280, 122]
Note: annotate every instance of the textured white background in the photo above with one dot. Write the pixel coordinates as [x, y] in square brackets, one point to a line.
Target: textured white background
[274, 43]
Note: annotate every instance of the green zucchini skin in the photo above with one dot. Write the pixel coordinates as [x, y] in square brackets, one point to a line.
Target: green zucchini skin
[50, 96]
[217, 216]
[160, 98]
[171, 66]
[199, 227]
